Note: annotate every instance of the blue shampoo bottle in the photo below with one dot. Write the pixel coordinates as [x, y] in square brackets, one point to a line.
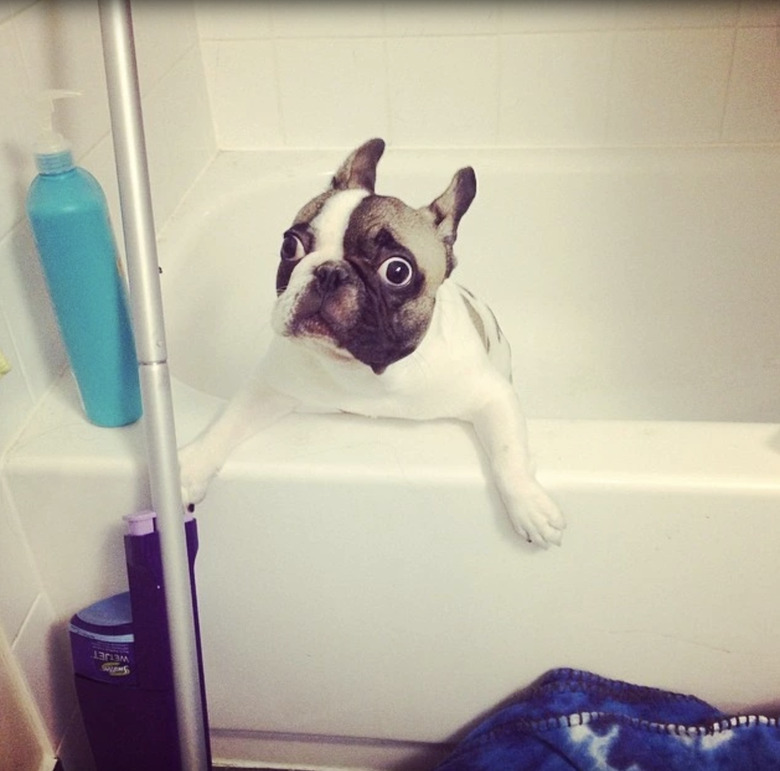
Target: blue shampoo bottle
[69, 217]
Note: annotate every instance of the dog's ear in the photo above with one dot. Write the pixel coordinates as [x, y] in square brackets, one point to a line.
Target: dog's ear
[359, 170]
[450, 206]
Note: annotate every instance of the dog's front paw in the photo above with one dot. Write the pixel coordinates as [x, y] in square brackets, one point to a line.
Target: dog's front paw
[535, 515]
[196, 471]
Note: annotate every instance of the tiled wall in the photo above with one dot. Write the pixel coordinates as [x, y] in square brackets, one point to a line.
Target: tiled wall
[56, 44]
[492, 73]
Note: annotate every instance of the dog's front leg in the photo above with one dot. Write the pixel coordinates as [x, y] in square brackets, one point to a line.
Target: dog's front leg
[253, 408]
[500, 426]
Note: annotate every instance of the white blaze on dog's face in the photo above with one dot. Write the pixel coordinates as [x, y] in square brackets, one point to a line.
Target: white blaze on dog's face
[359, 272]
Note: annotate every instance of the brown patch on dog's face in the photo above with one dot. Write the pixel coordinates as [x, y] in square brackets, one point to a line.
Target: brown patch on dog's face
[394, 251]
[359, 272]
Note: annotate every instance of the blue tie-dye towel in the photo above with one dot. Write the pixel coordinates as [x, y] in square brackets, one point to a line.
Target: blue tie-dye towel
[576, 720]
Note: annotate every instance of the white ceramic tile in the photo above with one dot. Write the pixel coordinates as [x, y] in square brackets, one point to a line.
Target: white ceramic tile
[332, 91]
[24, 745]
[74, 750]
[443, 91]
[669, 86]
[78, 564]
[62, 48]
[17, 573]
[753, 108]
[540, 16]
[646, 14]
[15, 398]
[9, 8]
[44, 656]
[460, 17]
[554, 88]
[16, 125]
[179, 133]
[163, 33]
[241, 78]
[759, 13]
[28, 312]
[233, 20]
[342, 18]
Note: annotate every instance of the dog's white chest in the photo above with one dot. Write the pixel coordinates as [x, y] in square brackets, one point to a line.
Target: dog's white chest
[437, 380]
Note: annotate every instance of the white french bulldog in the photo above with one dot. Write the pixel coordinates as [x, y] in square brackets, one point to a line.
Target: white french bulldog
[367, 322]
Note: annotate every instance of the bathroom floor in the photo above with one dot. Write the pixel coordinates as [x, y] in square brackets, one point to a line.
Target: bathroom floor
[252, 768]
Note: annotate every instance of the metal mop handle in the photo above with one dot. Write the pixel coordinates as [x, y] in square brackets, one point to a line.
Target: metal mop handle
[145, 295]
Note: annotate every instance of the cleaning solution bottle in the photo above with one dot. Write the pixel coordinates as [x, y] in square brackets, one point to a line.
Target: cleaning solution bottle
[69, 217]
[121, 652]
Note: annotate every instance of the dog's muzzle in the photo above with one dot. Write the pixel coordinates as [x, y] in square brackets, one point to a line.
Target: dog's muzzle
[332, 275]
[329, 303]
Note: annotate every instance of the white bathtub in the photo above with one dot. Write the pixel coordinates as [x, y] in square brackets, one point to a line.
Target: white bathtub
[363, 597]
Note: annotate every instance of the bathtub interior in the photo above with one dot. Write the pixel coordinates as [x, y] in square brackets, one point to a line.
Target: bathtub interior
[363, 597]
[632, 286]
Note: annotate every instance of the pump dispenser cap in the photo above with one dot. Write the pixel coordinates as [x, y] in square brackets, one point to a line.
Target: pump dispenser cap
[140, 523]
[52, 150]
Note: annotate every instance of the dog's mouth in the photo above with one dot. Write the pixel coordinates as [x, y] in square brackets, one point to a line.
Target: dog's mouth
[322, 321]
[315, 330]
[328, 315]
[312, 326]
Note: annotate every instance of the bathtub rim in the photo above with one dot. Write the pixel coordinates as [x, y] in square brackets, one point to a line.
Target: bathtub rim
[684, 456]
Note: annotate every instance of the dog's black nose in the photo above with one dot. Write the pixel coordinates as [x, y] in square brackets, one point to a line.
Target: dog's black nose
[331, 275]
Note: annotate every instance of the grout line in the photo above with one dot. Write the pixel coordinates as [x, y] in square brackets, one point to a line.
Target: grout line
[728, 85]
[609, 101]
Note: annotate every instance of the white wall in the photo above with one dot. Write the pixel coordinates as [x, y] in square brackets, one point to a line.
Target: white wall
[56, 44]
[492, 73]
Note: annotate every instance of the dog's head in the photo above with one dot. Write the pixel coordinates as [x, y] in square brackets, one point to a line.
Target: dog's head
[359, 271]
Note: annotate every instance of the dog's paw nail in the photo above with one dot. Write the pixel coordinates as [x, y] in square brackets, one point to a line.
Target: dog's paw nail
[191, 507]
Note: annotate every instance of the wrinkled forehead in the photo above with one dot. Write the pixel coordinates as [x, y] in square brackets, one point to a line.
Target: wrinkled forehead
[357, 217]
[409, 228]
[328, 215]
[312, 209]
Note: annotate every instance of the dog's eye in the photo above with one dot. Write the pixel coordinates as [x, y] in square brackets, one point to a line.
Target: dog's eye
[396, 272]
[292, 247]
